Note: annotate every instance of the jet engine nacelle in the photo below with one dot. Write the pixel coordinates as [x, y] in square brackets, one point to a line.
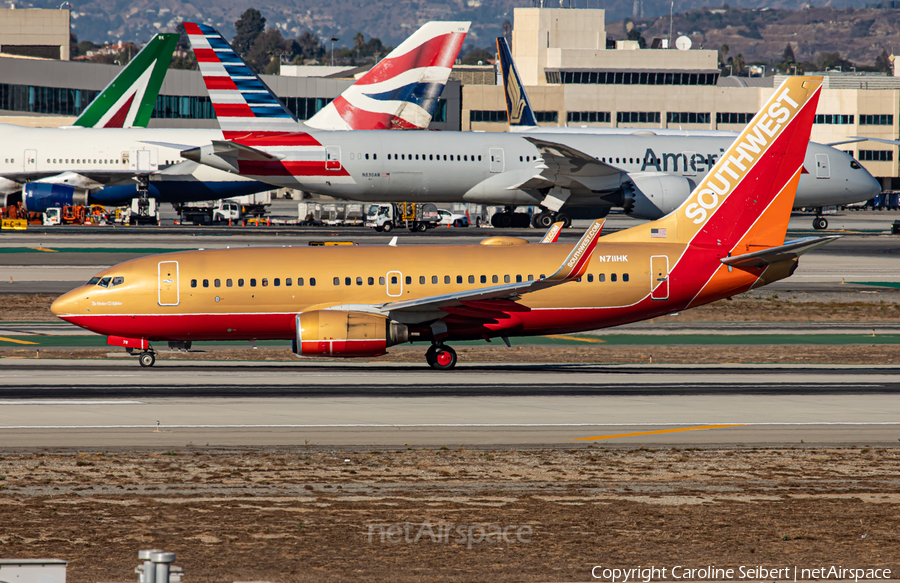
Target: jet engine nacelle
[344, 333]
[651, 195]
[39, 196]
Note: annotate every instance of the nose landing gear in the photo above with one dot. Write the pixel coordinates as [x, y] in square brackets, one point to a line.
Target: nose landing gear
[147, 359]
[440, 357]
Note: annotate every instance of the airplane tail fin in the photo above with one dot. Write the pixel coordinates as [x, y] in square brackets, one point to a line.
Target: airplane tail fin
[402, 90]
[518, 108]
[744, 202]
[129, 99]
[242, 102]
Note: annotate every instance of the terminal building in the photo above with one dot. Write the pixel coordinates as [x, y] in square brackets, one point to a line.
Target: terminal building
[574, 75]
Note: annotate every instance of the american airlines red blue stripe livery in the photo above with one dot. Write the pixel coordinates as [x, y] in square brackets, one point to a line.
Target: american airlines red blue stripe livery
[356, 301]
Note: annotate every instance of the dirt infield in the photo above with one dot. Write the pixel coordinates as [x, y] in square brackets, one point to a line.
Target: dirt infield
[315, 514]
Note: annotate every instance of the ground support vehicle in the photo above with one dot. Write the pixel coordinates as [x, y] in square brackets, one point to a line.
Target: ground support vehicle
[414, 216]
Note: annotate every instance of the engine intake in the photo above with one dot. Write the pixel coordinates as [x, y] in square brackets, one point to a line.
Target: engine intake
[651, 195]
[39, 196]
[344, 333]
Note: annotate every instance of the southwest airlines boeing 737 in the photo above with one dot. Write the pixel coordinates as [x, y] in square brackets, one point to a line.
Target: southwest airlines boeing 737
[567, 175]
[727, 237]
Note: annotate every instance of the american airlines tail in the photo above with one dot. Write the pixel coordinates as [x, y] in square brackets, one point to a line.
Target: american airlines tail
[518, 108]
[402, 90]
[242, 102]
[129, 99]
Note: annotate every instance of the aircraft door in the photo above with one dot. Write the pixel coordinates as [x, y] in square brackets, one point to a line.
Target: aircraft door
[332, 157]
[659, 277]
[394, 284]
[497, 164]
[30, 161]
[143, 161]
[823, 170]
[167, 276]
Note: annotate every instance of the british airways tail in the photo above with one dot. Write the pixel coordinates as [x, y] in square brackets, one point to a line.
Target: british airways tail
[518, 108]
[402, 90]
[129, 99]
[242, 102]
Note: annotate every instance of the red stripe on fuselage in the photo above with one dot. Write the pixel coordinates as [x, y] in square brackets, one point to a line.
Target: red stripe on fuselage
[271, 139]
[287, 168]
[441, 51]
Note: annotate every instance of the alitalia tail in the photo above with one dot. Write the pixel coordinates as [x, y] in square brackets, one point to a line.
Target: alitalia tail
[356, 301]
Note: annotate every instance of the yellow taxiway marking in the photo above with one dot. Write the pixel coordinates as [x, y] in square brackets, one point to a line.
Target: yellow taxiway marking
[576, 338]
[44, 249]
[657, 432]
[2, 339]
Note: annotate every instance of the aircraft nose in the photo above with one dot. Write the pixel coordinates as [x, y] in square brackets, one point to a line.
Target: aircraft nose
[870, 187]
[66, 304]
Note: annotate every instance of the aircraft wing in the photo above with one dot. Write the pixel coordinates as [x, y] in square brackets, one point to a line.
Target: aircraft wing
[788, 251]
[567, 167]
[88, 179]
[571, 269]
[879, 140]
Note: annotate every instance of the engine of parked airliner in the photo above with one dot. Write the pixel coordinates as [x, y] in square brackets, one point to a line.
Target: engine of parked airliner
[39, 196]
[344, 333]
[651, 195]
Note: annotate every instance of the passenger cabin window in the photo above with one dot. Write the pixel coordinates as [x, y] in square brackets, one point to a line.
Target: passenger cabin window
[240, 283]
[193, 283]
[459, 279]
[287, 282]
[217, 282]
[601, 277]
[518, 279]
[227, 283]
[394, 280]
[371, 281]
[590, 278]
[252, 282]
[612, 277]
[205, 283]
[408, 279]
[337, 281]
[446, 279]
[265, 282]
[312, 281]
[434, 279]
[348, 280]
[359, 281]
[624, 277]
[380, 281]
[276, 282]
[471, 279]
[299, 281]
[505, 279]
[421, 280]
[494, 279]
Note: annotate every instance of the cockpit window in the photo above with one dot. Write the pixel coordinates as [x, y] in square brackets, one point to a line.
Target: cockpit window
[118, 281]
[104, 282]
[855, 165]
[94, 281]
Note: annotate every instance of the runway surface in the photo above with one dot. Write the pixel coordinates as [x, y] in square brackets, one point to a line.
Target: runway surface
[100, 404]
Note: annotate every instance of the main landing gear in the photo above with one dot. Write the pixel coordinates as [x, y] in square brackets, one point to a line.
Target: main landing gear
[544, 219]
[147, 359]
[440, 357]
[820, 223]
[509, 219]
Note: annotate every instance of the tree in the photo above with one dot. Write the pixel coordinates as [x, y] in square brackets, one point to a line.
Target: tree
[723, 53]
[247, 28]
[788, 56]
[267, 47]
[307, 46]
[883, 62]
[506, 30]
[359, 41]
[633, 34]
[477, 55]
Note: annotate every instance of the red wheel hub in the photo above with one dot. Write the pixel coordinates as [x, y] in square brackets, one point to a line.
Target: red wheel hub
[444, 358]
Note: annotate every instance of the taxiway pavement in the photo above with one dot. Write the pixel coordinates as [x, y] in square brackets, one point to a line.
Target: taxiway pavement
[100, 404]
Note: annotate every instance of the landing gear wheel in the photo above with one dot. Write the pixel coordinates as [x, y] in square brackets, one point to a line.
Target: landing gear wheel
[442, 357]
[147, 359]
[566, 221]
[542, 220]
[820, 223]
[520, 220]
[387, 227]
[502, 220]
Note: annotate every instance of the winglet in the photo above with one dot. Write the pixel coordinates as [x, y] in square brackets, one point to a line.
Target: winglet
[553, 232]
[576, 263]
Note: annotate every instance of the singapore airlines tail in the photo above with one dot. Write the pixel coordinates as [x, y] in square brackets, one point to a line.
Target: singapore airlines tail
[241, 100]
[129, 99]
[402, 90]
[518, 108]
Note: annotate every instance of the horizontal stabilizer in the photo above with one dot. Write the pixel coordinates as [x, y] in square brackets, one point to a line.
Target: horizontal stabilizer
[785, 252]
[240, 151]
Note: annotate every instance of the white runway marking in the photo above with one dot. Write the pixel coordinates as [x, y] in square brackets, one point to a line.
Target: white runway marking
[428, 425]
